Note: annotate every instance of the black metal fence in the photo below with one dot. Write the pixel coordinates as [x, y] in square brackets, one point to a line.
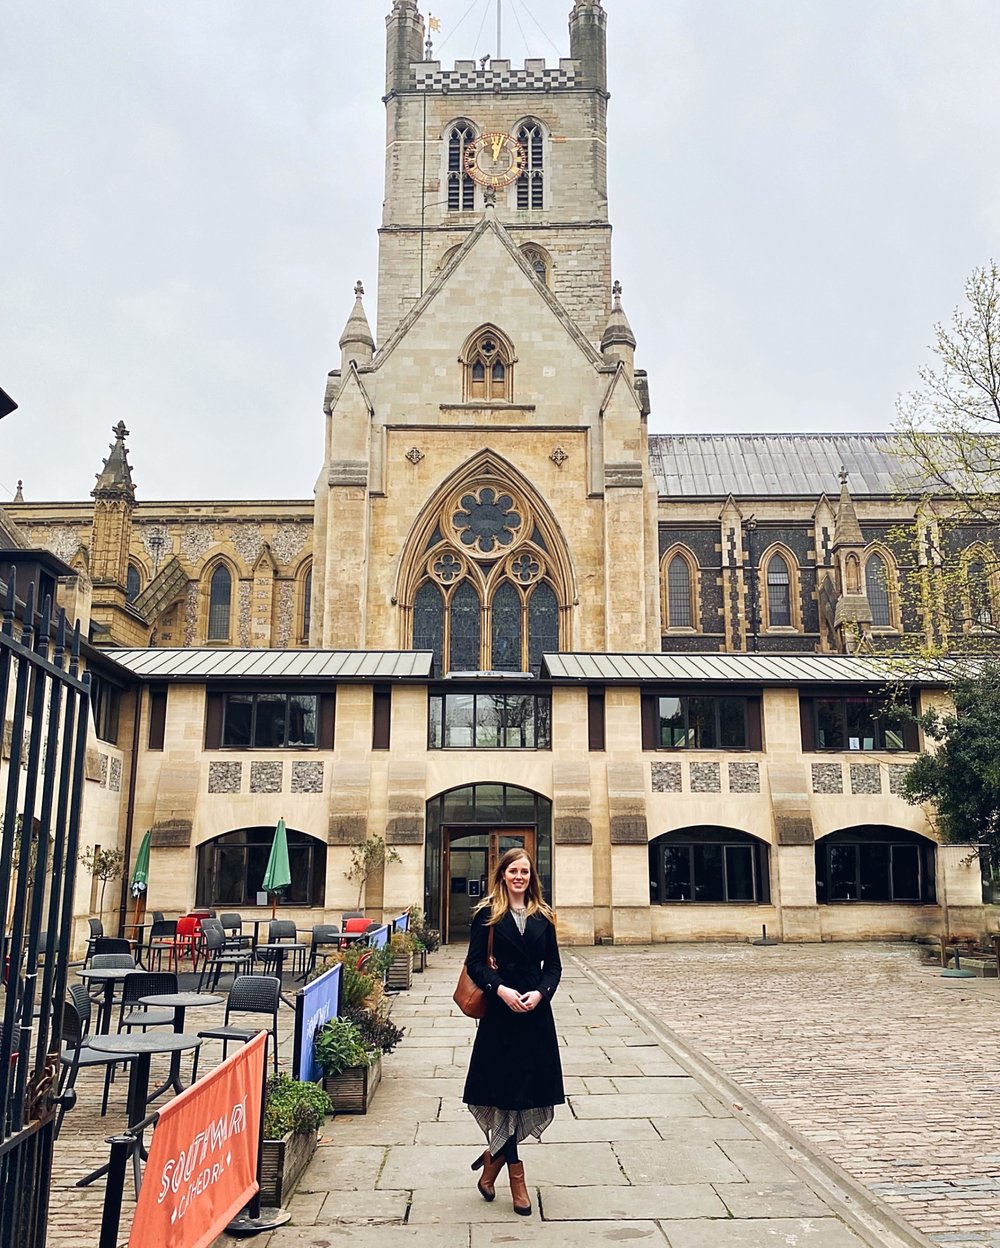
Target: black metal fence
[43, 723]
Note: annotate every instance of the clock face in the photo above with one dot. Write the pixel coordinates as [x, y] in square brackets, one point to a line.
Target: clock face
[495, 159]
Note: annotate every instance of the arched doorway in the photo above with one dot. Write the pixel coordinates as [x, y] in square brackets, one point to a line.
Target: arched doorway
[231, 868]
[708, 864]
[468, 828]
[875, 863]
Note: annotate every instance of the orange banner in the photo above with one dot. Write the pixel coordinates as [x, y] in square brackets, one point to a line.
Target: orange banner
[202, 1166]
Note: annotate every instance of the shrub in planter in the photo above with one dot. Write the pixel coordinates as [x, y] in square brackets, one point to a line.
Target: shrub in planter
[377, 1030]
[351, 1070]
[429, 937]
[399, 976]
[293, 1113]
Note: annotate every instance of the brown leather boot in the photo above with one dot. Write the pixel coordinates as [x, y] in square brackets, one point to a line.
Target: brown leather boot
[519, 1189]
[491, 1167]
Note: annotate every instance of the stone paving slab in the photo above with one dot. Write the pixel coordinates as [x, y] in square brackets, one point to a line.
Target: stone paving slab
[761, 1233]
[559, 1234]
[776, 1200]
[677, 1200]
[676, 1162]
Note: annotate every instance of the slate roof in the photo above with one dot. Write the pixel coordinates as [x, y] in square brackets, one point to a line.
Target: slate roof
[715, 465]
[214, 664]
[758, 669]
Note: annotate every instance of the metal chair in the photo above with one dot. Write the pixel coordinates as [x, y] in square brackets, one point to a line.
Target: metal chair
[96, 930]
[145, 984]
[111, 944]
[162, 939]
[250, 994]
[80, 997]
[324, 936]
[352, 914]
[76, 1054]
[112, 961]
[232, 925]
[217, 957]
[280, 931]
[158, 916]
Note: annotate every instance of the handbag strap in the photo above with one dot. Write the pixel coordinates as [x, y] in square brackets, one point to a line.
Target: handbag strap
[491, 961]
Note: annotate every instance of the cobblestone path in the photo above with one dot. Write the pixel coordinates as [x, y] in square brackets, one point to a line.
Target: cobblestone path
[883, 1066]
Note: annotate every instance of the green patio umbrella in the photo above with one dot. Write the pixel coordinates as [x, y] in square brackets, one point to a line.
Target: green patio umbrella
[277, 876]
[140, 875]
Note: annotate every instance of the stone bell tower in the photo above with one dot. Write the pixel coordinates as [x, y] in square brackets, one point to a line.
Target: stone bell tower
[110, 538]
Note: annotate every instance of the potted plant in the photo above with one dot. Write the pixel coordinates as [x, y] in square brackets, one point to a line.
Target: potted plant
[351, 1070]
[399, 975]
[293, 1114]
[428, 938]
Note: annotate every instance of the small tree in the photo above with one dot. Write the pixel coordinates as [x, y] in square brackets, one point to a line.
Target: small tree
[961, 779]
[367, 859]
[105, 865]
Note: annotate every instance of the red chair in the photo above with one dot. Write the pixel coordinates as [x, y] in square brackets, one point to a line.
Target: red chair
[187, 940]
[354, 925]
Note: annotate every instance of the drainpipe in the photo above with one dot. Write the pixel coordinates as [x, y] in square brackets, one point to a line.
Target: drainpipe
[130, 810]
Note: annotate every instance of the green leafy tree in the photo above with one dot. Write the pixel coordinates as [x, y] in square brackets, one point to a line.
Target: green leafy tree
[960, 780]
[367, 859]
[948, 434]
[106, 865]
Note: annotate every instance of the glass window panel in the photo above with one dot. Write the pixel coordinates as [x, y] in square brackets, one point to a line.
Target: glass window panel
[679, 593]
[307, 594]
[435, 739]
[257, 856]
[219, 598]
[457, 806]
[428, 623]
[133, 583]
[506, 648]
[459, 721]
[230, 874]
[709, 882]
[489, 719]
[829, 724]
[543, 723]
[739, 873]
[519, 721]
[843, 873]
[300, 869]
[877, 590]
[677, 873]
[893, 737]
[701, 723]
[543, 625]
[302, 719]
[733, 723]
[672, 731]
[905, 873]
[779, 602]
[862, 731]
[873, 870]
[489, 803]
[270, 714]
[466, 624]
[238, 718]
[519, 805]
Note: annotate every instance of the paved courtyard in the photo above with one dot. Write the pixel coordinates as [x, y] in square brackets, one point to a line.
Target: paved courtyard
[883, 1066]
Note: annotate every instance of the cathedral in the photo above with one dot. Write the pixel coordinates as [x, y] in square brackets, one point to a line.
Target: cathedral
[510, 614]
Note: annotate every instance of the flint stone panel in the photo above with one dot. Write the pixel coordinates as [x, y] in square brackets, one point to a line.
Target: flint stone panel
[225, 777]
[115, 779]
[307, 777]
[827, 778]
[705, 778]
[266, 777]
[897, 772]
[865, 778]
[744, 778]
[666, 777]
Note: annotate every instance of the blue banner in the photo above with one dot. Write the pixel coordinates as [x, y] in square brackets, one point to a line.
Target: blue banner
[379, 938]
[402, 924]
[314, 1005]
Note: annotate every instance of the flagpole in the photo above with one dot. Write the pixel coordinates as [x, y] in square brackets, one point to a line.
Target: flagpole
[499, 8]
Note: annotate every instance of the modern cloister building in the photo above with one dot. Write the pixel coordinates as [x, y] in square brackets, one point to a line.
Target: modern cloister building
[511, 615]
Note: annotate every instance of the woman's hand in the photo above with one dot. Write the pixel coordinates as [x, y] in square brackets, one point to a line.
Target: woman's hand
[513, 999]
[530, 999]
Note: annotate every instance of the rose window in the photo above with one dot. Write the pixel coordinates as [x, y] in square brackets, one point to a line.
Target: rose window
[487, 521]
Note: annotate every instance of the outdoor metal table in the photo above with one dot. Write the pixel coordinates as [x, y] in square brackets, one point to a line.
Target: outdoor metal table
[108, 976]
[276, 953]
[140, 1047]
[178, 1002]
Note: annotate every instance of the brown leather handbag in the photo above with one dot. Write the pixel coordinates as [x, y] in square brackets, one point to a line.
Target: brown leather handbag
[468, 996]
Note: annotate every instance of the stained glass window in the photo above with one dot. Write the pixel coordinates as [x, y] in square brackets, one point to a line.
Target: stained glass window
[428, 623]
[543, 625]
[679, 593]
[466, 629]
[779, 600]
[307, 596]
[980, 599]
[220, 595]
[877, 589]
[506, 629]
[133, 583]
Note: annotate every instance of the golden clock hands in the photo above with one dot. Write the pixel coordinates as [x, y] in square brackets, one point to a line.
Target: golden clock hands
[497, 142]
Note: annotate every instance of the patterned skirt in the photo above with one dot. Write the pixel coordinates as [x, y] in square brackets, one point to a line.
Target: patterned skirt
[498, 1125]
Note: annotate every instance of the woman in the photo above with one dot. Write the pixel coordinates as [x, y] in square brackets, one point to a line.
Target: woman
[515, 1077]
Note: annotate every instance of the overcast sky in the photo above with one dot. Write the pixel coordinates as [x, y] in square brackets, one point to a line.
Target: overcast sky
[190, 188]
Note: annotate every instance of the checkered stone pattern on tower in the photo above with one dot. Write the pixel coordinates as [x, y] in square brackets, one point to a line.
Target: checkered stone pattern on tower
[528, 79]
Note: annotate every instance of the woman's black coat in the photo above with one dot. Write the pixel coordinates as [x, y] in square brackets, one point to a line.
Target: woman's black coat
[515, 1060]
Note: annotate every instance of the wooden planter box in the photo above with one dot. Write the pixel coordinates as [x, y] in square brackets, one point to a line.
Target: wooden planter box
[352, 1091]
[399, 976]
[419, 961]
[282, 1163]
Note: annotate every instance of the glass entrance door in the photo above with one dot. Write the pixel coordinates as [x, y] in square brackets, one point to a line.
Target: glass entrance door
[469, 859]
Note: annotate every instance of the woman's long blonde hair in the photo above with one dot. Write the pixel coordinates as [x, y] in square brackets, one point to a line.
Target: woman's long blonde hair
[497, 899]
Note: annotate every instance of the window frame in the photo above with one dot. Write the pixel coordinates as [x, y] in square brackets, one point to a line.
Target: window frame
[879, 745]
[438, 721]
[750, 729]
[459, 134]
[216, 711]
[207, 874]
[673, 552]
[760, 573]
[726, 839]
[893, 839]
[213, 635]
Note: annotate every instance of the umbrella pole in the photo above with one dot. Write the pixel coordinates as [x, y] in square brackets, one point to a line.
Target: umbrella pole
[274, 904]
[140, 909]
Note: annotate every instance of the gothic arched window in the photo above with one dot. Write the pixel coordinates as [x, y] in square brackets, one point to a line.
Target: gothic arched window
[531, 183]
[489, 368]
[133, 583]
[428, 623]
[877, 591]
[543, 625]
[779, 597]
[307, 593]
[506, 629]
[980, 594]
[465, 627]
[679, 597]
[461, 188]
[220, 598]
